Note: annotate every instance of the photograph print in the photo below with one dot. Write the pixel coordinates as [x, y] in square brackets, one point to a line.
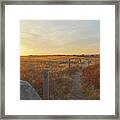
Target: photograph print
[59, 60]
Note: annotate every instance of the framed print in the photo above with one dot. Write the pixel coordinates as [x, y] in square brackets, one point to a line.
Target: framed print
[60, 59]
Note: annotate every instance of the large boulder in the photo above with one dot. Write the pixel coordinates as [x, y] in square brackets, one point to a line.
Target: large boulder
[27, 92]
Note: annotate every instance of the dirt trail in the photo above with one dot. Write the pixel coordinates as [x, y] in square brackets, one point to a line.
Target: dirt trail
[76, 86]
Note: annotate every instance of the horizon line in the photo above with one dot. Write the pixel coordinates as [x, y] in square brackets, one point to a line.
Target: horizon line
[59, 54]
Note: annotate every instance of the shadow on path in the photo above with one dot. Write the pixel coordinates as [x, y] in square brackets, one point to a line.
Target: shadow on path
[76, 86]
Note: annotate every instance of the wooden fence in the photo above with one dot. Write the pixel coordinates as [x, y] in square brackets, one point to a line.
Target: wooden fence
[46, 77]
[46, 71]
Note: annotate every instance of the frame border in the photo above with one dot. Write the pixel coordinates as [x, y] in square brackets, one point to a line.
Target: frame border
[2, 56]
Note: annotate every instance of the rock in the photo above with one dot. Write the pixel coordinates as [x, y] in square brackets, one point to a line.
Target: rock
[27, 92]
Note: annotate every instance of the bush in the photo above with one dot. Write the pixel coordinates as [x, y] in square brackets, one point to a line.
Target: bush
[91, 82]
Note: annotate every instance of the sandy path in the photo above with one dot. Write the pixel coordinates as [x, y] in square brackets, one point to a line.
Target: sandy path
[76, 92]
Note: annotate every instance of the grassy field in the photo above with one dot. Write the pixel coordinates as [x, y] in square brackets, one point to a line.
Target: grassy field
[62, 69]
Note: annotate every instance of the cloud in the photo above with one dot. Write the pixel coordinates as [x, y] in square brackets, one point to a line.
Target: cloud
[55, 37]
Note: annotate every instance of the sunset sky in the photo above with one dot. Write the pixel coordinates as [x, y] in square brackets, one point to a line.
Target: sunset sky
[51, 37]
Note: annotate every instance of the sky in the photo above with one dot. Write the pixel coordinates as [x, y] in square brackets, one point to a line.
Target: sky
[58, 37]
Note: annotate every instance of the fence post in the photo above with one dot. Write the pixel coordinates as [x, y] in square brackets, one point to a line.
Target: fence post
[69, 63]
[80, 60]
[46, 85]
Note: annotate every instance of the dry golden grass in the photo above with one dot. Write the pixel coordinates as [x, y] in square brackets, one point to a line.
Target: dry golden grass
[91, 81]
[31, 70]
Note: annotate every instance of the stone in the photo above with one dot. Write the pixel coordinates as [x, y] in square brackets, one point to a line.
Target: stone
[27, 92]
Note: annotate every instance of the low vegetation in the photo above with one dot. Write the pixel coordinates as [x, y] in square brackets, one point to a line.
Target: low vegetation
[91, 81]
[60, 75]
